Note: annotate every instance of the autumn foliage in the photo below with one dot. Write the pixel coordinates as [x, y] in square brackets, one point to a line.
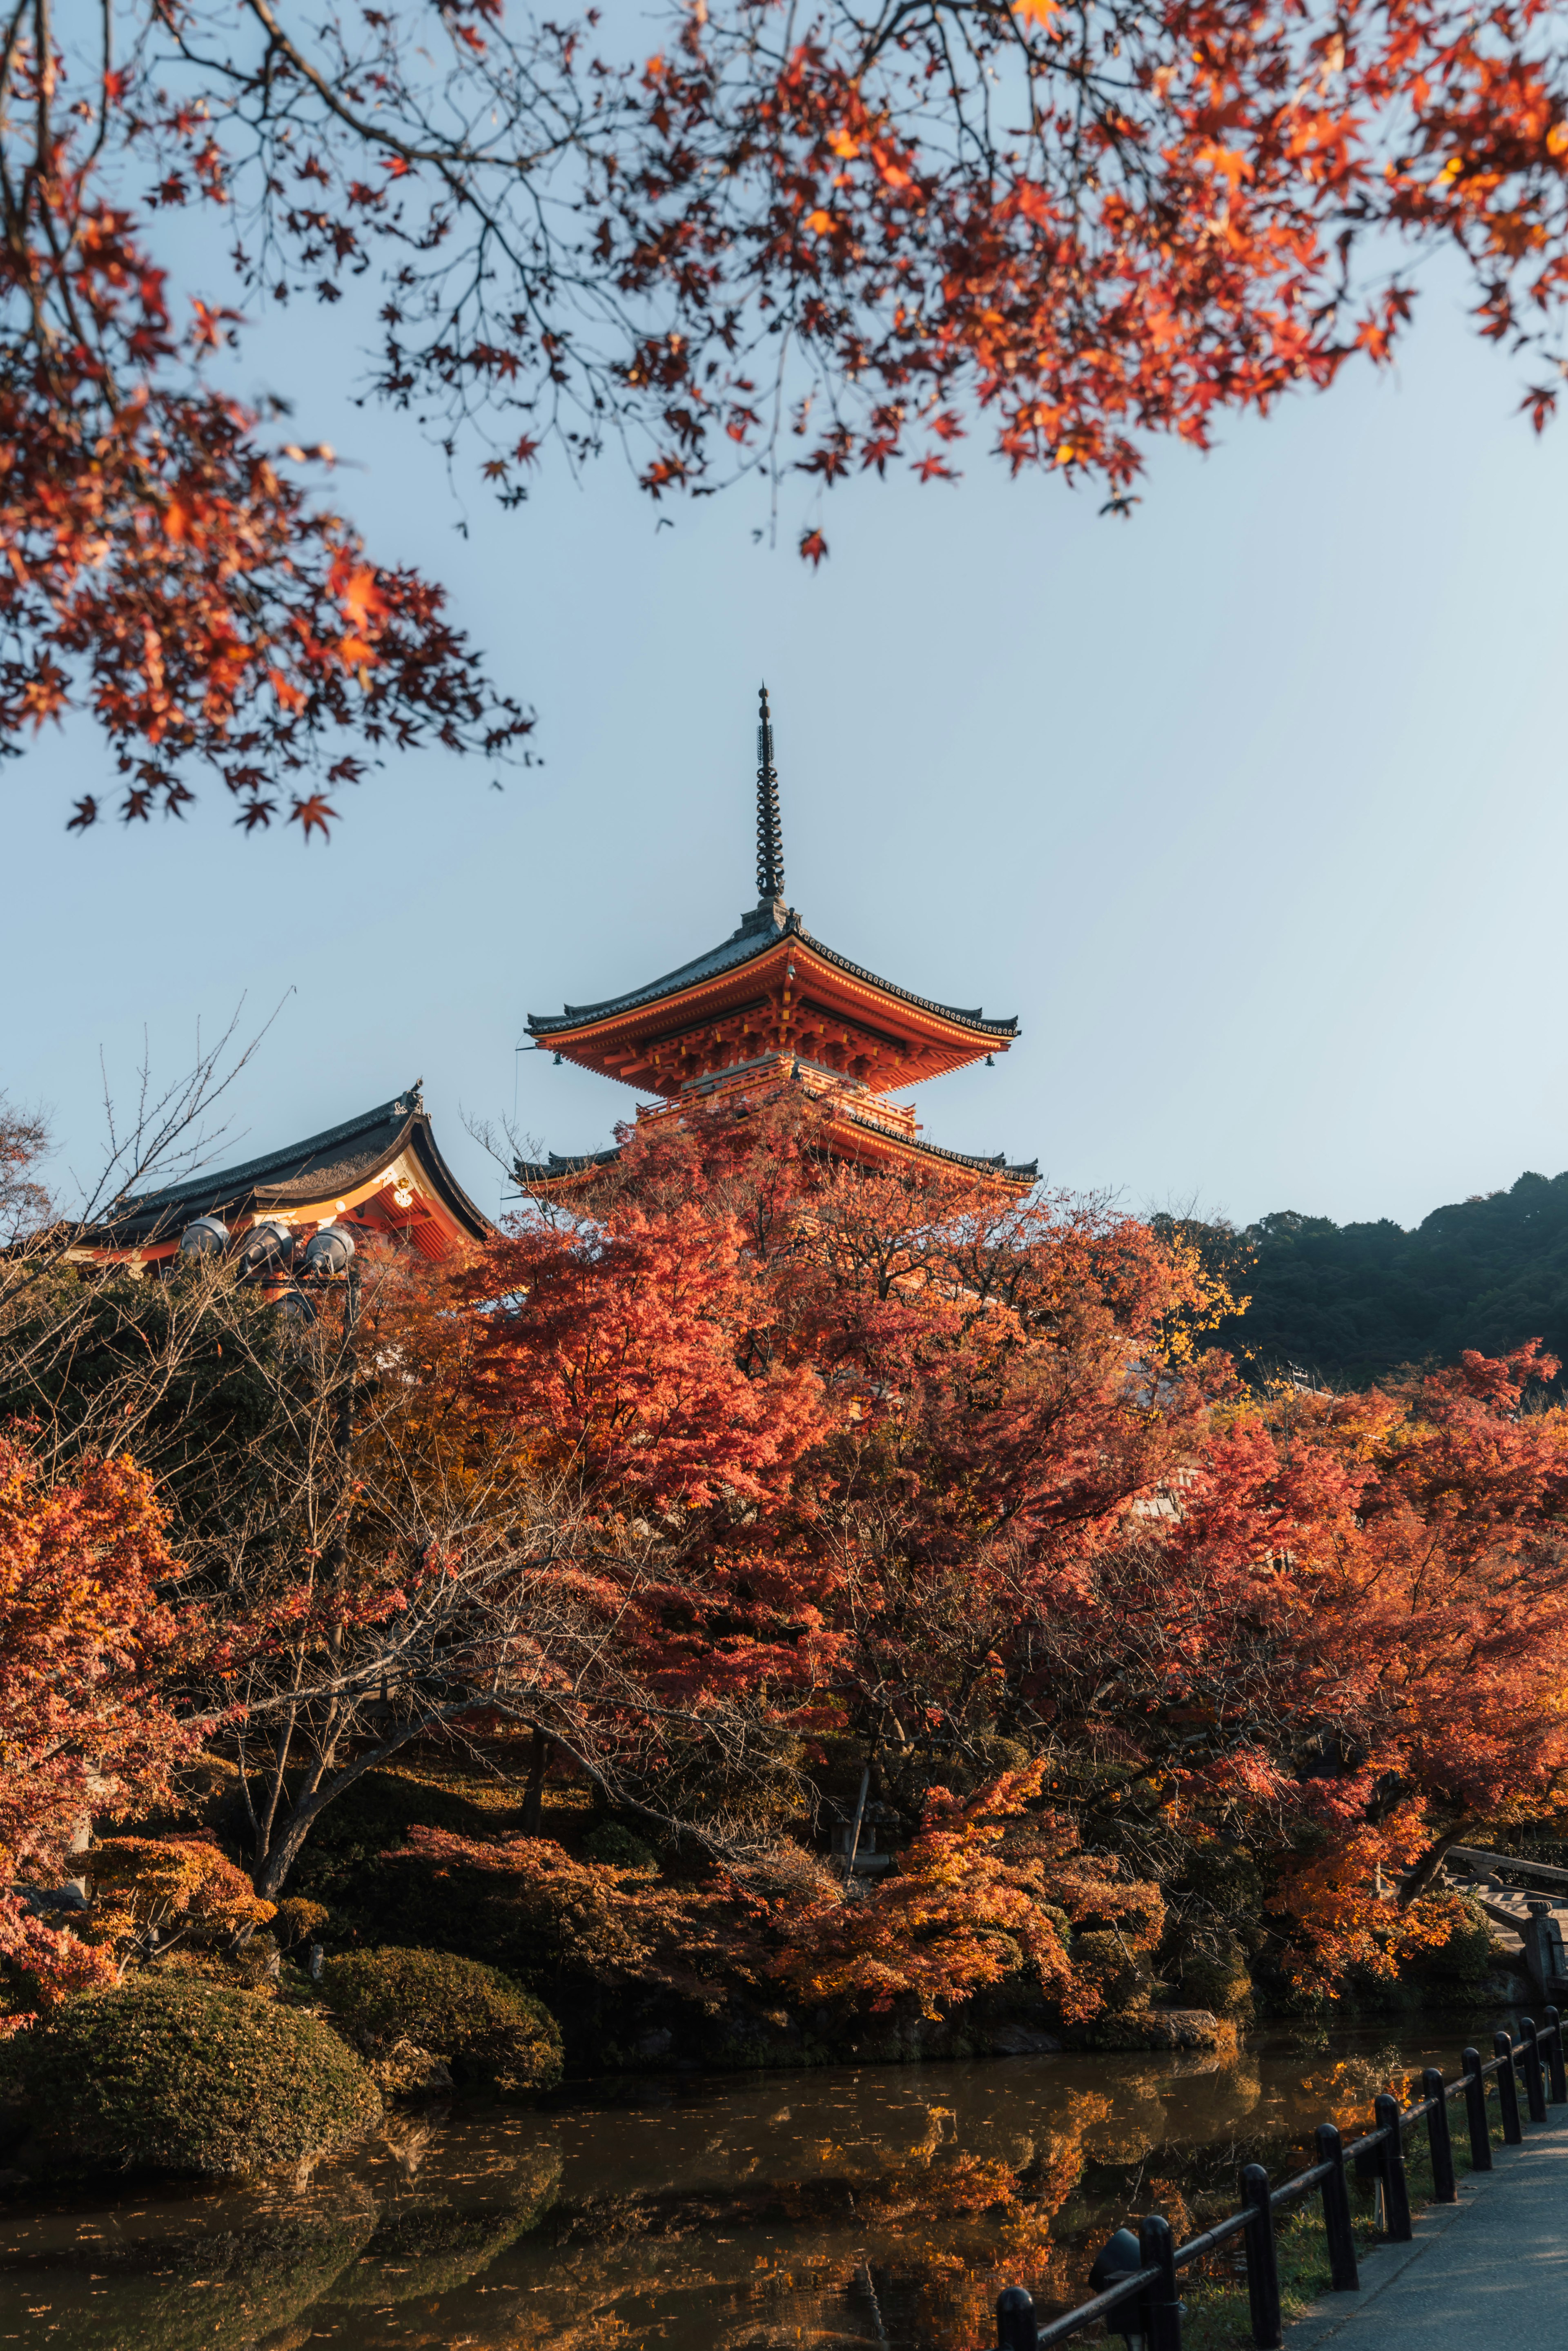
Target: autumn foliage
[756, 1494]
[1270, 1653]
[815, 243]
[86, 1718]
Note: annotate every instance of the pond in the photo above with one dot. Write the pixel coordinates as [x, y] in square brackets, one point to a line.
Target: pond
[877, 2206]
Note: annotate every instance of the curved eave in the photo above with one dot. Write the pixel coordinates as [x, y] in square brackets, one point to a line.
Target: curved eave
[944, 1038]
[470, 1220]
[563, 1171]
[562, 1167]
[351, 1172]
[697, 979]
[878, 1145]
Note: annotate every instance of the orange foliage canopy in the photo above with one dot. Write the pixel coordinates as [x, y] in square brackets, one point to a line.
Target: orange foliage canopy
[622, 1355]
[820, 241]
[85, 1723]
[1347, 1650]
[963, 1911]
[806, 1412]
[1092, 226]
[1001, 1492]
[966, 1903]
[151, 1892]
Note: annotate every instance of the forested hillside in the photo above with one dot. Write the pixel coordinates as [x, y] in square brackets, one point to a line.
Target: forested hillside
[1352, 1303]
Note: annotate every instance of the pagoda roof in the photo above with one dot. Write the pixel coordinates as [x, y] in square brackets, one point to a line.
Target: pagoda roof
[305, 1176]
[563, 1167]
[759, 931]
[535, 1174]
[994, 1164]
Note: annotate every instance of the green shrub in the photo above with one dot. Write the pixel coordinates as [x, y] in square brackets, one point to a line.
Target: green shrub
[618, 1848]
[1217, 1978]
[171, 2072]
[482, 2023]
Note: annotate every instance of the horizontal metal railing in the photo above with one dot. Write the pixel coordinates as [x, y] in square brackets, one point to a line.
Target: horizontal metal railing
[1537, 2061]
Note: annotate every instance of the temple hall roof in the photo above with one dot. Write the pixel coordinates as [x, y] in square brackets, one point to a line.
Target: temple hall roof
[314, 1173]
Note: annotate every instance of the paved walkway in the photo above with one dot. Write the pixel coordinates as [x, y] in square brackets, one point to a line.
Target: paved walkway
[1488, 2274]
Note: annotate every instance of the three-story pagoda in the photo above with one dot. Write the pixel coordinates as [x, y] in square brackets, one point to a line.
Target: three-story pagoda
[774, 1007]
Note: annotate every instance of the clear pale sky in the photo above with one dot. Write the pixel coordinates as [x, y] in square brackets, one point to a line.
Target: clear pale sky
[1253, 809]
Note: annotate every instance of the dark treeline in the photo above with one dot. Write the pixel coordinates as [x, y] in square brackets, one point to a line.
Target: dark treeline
[1350, 1303]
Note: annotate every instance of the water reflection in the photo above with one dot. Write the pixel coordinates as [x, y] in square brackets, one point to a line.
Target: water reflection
[878, 2208]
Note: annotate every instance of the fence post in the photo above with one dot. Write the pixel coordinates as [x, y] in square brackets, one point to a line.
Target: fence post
[1432, 2089]
[1534, 2086]
[1262, 2267]
[1554, 2038]
[1015, 2320]
[1344, 2276]
[1396, 2195]
[1476, 2110]
[1507, 2090]
[1162, 2310]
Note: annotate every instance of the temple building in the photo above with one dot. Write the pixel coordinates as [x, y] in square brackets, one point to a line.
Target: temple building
[381, 1173]
[772, 1007]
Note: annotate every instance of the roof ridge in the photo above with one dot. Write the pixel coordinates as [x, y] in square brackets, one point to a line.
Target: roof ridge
[292, 1155]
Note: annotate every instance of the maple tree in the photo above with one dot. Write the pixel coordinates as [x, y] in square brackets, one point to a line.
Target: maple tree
[86, 1722]
[151, 1895]
[829, 242]
[969, 1904]
[1340, 1655]
[1274, 1652]
[740, 1478]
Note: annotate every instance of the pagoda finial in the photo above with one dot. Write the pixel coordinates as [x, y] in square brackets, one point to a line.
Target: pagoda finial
[770, 831]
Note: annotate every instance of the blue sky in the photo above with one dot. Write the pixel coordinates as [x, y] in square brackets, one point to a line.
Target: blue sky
[1252, 809]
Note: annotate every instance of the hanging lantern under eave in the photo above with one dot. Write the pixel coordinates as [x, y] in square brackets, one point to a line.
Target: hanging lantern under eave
[328, 1252]
[265, 1246]
[207, 1236]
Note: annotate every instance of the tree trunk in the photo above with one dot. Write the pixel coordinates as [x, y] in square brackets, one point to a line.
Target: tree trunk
[534, 1793]
[1426, 1867]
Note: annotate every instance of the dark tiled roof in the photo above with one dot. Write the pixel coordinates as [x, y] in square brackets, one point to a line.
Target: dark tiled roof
[530, 1171]
[997, 1164]
[758, 932]
[331, 1162]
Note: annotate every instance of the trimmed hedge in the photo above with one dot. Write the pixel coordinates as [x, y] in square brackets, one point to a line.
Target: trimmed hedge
[174, 2073]
[482, 2023]
[616, 1845]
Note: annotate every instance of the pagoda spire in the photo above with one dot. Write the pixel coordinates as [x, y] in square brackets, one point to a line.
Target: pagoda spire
[769, 830]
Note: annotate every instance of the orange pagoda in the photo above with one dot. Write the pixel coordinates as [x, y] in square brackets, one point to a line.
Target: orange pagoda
[773, 1007]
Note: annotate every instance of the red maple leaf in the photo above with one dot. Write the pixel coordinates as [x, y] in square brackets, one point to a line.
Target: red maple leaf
[314, 815]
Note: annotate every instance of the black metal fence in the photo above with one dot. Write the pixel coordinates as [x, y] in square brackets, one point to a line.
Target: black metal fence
[1536, 2062]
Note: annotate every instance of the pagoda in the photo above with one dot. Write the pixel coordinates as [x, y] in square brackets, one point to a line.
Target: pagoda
[773, 1007]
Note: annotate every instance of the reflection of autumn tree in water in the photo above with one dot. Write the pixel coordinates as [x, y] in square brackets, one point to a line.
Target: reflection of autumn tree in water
[929, 2225]
[835, 2208]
